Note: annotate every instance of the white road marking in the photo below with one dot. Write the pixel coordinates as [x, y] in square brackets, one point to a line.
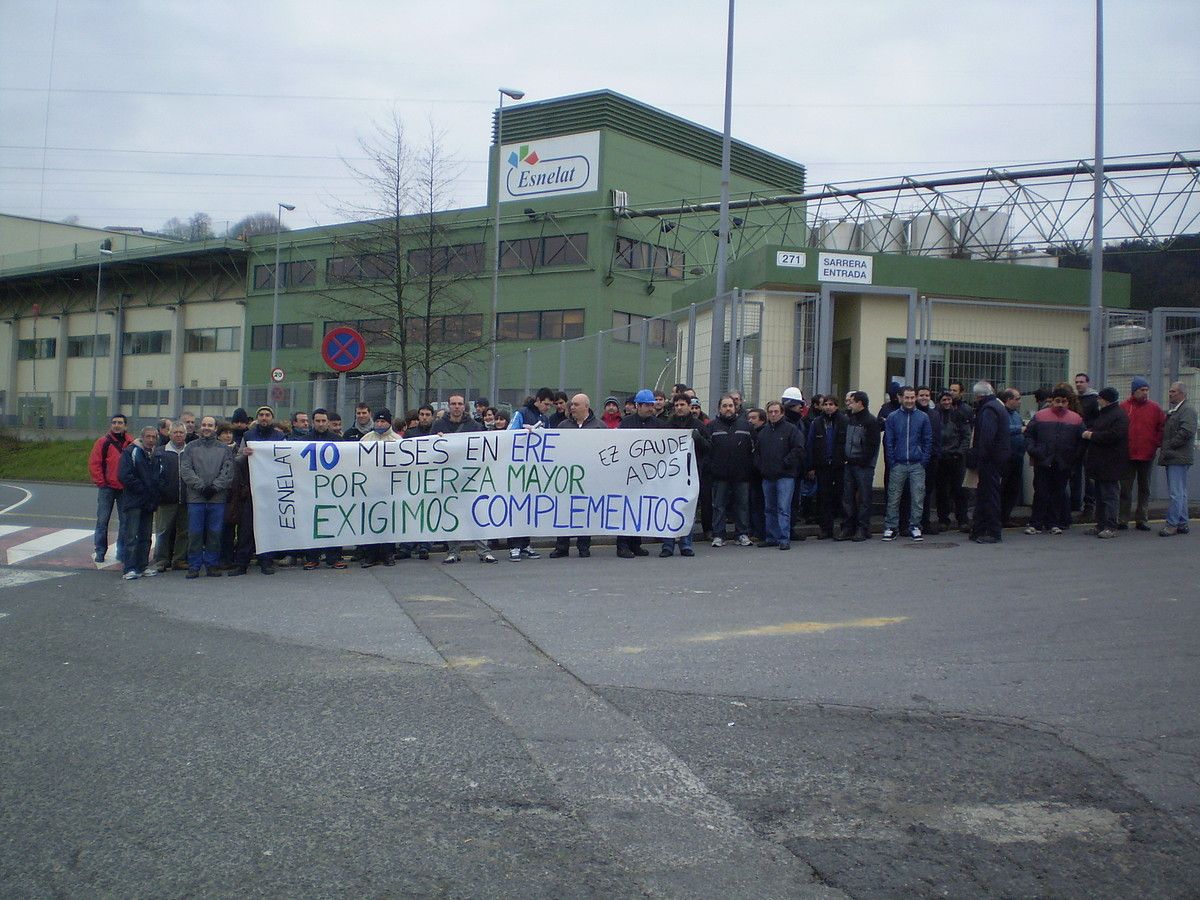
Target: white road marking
[44, 544]
[18, 577]
[11, 529]
[21, 502]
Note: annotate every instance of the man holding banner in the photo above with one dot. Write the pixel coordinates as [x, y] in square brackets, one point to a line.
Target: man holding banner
[645, 415]
[456, 421]
[579, 416]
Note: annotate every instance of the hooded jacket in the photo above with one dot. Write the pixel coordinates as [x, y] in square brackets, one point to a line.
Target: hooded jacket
[908, 437]
[105, 459]
[139, 476]
[1146, 420]
[206, 462]
[1054, 438]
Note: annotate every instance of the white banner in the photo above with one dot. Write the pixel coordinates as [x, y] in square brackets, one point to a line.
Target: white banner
[481, 485]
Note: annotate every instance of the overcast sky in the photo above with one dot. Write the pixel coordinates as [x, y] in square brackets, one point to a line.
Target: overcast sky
[129, 113]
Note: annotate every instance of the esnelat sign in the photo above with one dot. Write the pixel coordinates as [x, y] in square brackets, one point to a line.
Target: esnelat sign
[548, 166]
[538, 483]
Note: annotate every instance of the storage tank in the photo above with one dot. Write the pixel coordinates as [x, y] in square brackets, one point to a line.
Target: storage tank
[933, 234]
[984, 231]
[841, 234]
[882, 235]
[1128, 351]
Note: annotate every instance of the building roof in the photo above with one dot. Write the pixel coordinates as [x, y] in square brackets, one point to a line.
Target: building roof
[603, 109]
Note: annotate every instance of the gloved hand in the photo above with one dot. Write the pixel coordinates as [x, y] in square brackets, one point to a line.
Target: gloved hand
[208, 492]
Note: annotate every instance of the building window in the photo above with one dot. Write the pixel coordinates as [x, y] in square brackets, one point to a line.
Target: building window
[662, 262]
[301, 273]
[1023, 368]
[156, 397]
[519, 254]
[210, 398]
[466, 329]
[544, 252]
[539, 325]
[360, 267]
[82, 345]
[375, 332]
[141, 343]
[41, 348]
[210, 340]
[296, 336]
[627, 328]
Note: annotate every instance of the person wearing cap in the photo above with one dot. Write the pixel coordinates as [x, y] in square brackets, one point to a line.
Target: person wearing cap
[612, 413]
[643, 417]
[1106, 459]
[381, 430]
[1146, 421]
[1054, 440]
[795, 411]
[240, 420]
[264, 428]
[1178, 451]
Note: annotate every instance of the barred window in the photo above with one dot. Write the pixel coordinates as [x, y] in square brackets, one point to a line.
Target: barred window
[141, 343]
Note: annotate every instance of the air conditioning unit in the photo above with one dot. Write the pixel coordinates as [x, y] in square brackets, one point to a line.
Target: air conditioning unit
[224, 382]
[620, 203]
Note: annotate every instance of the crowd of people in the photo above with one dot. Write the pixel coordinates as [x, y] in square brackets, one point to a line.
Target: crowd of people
[764, 470]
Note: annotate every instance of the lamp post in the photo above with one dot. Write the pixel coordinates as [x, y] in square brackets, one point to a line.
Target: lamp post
[275, 281]
[96, 332]
[513, 94]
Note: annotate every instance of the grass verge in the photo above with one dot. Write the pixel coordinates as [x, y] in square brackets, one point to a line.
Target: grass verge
[45, 460]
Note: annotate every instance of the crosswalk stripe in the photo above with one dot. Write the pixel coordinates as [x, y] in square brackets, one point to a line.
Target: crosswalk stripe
[11, 529]
[46, 543]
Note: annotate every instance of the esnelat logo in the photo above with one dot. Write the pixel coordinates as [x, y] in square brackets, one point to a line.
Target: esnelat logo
[529, 174]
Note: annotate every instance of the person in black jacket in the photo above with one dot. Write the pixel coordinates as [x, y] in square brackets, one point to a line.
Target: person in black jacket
[729, 465]
[579, 417]
[683, 418]
[861, 452]
[139, 499]
[629, 546]
[170, 519]
[827, 460]
[1106, 459]
[955, 439]
[992, 447]
[779, 456]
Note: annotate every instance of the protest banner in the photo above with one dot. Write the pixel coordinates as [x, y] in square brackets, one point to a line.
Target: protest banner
[475, 486]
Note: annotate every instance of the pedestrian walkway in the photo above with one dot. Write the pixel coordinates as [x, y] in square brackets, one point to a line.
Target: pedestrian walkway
[58, 548]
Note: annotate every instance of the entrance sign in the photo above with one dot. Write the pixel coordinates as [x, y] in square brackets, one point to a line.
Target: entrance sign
[844, 267]
[549, 166]
[476, 486]
[343, 349]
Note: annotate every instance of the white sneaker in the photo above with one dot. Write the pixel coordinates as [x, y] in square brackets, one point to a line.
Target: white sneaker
[718, 542]
[744, 541]
[1033, 530]
[150, 572]
[530, 553]
[450, 559]
[131, 575]
[487, 558]
[1056, 530]
[514, 554]
[889, 534]
[915, 534]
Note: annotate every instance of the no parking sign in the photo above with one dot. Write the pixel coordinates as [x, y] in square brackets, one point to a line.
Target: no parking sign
[343, 349]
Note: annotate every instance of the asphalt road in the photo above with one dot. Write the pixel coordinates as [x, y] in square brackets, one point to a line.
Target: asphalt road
[864, 720]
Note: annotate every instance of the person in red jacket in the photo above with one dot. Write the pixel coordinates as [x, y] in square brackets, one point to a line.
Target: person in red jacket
[1146, 420]
[103, 462]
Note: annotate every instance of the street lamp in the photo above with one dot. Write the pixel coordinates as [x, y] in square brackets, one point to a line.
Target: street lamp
[512, 94]
[275, 280]
[96, 332]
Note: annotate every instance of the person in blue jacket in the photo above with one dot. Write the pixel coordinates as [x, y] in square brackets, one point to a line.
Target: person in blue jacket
[908, 442]
[138, 472]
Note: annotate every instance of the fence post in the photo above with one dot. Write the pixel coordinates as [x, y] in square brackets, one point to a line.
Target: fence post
[528, 371]
[641, 382]
[691, 342]
[600, 363]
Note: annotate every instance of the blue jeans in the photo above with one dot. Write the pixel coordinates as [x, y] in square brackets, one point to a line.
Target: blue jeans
[685, 543]
[1177, 509]
[105, 499]
[206, 521]
[914, 475]
[777, 508]
[856, 498]
[133, 551]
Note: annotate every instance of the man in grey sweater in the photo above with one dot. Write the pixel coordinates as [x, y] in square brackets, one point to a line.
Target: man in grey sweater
[206, 469]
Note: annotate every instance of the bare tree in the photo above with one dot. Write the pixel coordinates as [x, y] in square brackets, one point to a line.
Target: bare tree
[198, 227]
[399, 268]
[256, 223]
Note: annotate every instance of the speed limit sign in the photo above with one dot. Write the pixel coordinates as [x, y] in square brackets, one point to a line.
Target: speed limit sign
[277, 375]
